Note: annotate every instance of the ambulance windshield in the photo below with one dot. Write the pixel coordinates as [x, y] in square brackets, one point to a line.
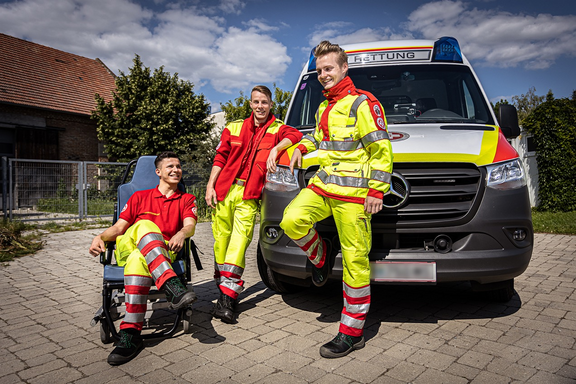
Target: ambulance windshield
[410, 94]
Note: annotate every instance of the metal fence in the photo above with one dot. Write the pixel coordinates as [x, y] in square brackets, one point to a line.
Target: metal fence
[34, 190]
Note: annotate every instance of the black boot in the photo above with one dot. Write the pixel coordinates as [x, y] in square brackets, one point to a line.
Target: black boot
[341, 345]
[320, 275]
[224, 309]
[177, 294]
[127, 348]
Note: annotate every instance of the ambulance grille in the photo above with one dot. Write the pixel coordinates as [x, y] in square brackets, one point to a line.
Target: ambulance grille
[439, 193]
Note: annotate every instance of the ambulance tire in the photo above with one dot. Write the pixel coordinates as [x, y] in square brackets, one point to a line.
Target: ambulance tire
[501, 292]
[271, 278]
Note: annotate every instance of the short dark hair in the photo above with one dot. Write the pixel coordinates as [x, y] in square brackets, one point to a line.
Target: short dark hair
[262, 89]
[165, 155]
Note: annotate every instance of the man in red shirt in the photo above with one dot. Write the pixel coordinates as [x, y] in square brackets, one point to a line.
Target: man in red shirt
[150, 231]
[248, 148]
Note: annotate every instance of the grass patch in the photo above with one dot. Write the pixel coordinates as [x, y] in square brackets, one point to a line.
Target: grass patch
[14, 244]
[563, 223]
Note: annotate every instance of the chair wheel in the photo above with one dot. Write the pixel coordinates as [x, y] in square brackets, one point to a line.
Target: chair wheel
[187, 321]
[105, 334]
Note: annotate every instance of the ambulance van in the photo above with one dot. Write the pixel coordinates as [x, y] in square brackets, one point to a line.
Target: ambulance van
[458, 209]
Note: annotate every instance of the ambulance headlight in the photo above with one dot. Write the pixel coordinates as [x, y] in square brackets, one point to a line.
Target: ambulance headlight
[282, 181]
[508, 175]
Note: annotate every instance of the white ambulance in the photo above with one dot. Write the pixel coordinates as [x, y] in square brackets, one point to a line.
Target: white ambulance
[458, 209]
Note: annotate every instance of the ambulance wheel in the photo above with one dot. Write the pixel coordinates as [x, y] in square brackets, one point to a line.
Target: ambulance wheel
[500, 292]
[271, 278]
[105, 334]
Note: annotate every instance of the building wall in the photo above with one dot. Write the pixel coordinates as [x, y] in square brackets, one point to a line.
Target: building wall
[525, 147]
[49, 135]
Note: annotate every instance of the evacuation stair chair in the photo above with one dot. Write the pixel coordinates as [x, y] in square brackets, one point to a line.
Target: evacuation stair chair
[112, 309]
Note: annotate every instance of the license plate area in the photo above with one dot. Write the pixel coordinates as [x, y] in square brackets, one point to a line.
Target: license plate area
[403, 271]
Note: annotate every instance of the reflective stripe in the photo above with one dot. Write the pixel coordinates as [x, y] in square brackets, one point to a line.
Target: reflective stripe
[319, 252]
[382, 176]
[343, 181]
[356, 308]
[232, 285]
[154, 253]
[354, 109]
[163, 267]
[136, 299]
[341, 145]
[149, 238]
[236, 270]
[356, 292]
[140, 281]
[375, 136]
[303, 241]
[131, 317]
[312, 139]
[351, 322]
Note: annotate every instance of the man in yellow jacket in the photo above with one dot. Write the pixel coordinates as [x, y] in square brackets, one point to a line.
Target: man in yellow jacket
[355, 158]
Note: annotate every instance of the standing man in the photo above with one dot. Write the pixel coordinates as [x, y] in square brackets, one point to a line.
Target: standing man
[149, 233]
[246, 151]
[355, 159]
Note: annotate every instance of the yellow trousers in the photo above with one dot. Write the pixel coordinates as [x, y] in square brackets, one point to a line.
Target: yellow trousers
[355, 234]
[233, 228]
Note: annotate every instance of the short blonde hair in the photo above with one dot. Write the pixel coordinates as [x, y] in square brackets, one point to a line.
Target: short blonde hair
[326, 47]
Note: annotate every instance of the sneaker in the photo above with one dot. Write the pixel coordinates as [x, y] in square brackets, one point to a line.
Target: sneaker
[320, 275]
[177, 294]
[127, 348]
[224, 309]
[341, 345]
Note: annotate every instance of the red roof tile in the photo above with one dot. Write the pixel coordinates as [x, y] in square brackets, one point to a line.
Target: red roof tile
[38, 76]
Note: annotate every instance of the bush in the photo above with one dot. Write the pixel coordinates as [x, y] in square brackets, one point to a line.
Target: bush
[553, 124]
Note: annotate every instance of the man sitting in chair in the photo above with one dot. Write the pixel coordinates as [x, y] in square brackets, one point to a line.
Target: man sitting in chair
[150, 231]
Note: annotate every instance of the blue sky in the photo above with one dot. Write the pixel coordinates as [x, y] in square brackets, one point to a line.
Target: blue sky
[228, 46]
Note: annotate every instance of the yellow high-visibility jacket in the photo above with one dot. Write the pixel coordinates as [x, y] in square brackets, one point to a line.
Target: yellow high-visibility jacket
[354, 151]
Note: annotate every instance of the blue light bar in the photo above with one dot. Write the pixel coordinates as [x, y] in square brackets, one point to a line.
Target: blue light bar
[312, 61]
[447, 49]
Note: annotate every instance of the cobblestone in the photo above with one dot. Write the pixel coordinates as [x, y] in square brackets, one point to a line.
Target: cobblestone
[441, 334]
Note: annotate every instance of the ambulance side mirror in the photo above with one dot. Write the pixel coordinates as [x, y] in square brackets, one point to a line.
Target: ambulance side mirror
[508, 118]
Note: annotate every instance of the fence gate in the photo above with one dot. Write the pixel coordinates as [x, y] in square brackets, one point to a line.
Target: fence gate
[34, 190]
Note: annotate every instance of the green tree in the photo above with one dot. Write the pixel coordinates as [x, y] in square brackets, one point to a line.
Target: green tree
[496, 107]
[149, 113]
[239, 108]
[526, 103]
[553, 124]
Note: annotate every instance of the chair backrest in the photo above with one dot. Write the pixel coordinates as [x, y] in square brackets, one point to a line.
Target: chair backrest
[144, 177]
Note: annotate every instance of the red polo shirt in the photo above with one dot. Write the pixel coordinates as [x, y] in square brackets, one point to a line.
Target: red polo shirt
[168, 213]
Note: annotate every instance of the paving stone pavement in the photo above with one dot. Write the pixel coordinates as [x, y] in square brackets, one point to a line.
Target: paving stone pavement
[439, 334]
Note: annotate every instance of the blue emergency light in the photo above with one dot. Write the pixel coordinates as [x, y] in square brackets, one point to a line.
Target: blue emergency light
[312, 61]
[447, 49]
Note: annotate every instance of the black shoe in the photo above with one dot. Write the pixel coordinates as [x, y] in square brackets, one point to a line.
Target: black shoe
[320, 275]
[341, 345]
[127, 348]
[224, 309]
[177, 294]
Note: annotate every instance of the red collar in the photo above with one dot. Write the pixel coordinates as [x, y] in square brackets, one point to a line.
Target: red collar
[340, 90]
[158, 194]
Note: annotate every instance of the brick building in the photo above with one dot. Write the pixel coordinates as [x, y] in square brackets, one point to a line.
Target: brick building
[46, 98]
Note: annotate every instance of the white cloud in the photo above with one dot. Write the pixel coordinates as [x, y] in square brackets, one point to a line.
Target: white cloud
[340, 32]
[185, 39]
[496, 38]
